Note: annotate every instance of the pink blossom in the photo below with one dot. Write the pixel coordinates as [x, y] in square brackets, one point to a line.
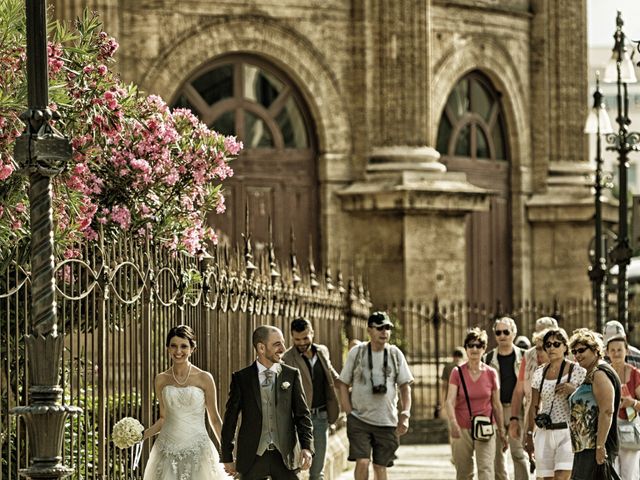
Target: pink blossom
[5, 171]
[232, 145]
[140, 164]
[121, 215]
[220, 206]
[20, 207]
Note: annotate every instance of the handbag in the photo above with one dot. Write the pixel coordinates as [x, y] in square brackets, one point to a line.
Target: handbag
[605, 471]
[481, 426]
[629, 434]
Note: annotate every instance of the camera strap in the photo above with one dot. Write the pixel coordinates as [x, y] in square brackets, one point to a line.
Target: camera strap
[544, 374]
[385, 364]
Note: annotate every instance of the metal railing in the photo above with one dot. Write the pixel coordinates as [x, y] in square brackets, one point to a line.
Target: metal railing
[115, 305]
[429, 331]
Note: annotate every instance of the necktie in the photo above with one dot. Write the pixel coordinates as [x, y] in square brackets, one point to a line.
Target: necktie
[268, 378]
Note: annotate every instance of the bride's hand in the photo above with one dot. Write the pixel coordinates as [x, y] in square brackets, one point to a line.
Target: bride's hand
[230, 468]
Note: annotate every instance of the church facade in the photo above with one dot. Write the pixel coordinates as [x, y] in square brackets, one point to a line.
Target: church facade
[434, 145]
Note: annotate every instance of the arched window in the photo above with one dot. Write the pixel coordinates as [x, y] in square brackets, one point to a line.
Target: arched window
[472, 138]
[275, 175]
[472, 124]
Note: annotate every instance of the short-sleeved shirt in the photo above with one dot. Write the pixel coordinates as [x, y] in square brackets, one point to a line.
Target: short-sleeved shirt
[375, 409]
[585, 412]
[632, 385]
[548, 398]
[480, 392]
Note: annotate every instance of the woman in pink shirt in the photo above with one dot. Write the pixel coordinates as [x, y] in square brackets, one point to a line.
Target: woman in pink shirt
[484, 396]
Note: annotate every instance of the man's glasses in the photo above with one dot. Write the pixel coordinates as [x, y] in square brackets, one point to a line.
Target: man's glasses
[383, 327]
[479, 346]
[553, 344]
[580, 350]
[503, 332]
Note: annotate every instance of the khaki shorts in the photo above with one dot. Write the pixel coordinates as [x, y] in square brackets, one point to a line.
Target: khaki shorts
[365, 438]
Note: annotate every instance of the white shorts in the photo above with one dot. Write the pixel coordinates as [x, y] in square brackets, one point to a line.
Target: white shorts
[553, 451]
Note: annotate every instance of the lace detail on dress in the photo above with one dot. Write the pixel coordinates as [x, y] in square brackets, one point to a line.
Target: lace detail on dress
[183, 460]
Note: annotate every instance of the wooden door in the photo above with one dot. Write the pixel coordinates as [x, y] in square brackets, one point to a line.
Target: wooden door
[472, 139]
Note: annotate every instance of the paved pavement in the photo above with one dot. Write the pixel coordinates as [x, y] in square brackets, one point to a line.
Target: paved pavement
[420, 462]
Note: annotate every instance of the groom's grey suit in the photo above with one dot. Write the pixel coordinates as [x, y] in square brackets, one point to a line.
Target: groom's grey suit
[291, 415]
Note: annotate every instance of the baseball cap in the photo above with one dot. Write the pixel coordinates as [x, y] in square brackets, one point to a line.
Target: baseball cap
[546, 322]
[613, 330]
[379, 319]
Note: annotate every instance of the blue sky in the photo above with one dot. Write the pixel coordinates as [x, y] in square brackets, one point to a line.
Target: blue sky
[601, 16]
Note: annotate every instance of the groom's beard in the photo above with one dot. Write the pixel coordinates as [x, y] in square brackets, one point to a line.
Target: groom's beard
[303, 348]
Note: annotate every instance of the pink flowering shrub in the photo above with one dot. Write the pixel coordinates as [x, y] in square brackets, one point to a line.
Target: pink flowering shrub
[136, 165]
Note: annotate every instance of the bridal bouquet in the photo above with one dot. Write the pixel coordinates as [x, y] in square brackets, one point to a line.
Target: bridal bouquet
[127, 432]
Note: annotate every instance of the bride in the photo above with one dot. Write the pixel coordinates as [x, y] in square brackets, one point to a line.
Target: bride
[183, 450]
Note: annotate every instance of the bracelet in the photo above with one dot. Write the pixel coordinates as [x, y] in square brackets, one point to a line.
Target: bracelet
[517, 419]
[599, 447]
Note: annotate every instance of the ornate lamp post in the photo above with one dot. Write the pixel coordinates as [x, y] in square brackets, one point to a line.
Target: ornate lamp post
[599, 124]
[620, 70]
[41, 153]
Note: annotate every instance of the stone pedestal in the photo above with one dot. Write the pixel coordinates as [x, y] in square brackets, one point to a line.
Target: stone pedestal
[562, 225]
[407, 224]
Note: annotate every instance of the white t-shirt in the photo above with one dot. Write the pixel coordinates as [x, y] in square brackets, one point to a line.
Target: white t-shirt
[560, 411]
[375, 409]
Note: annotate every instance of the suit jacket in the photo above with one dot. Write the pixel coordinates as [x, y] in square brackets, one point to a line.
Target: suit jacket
[293, 358]
[292, 417]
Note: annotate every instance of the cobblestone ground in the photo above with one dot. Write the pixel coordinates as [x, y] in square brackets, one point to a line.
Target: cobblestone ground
[420, 462]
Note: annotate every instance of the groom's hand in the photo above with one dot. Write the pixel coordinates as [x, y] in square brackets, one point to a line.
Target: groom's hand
[305, 459]
[230, 468]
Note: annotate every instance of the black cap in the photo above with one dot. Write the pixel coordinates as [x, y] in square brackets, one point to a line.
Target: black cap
[379, 319]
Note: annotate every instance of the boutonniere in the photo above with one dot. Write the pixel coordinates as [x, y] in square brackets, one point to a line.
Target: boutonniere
[285, 385]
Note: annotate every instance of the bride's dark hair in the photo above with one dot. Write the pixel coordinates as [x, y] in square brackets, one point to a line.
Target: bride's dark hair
[182, 331]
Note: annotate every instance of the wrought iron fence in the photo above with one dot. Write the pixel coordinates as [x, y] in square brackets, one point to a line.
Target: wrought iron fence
[115, 305]
[428, 333]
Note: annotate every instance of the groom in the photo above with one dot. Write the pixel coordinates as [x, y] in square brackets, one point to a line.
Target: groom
[270, 397]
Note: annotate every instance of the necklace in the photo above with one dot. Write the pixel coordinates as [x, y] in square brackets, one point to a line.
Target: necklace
[185, 379]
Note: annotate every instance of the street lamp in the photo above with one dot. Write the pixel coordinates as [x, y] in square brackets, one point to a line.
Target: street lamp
[621, 71]
[41, 153]
[598, 123]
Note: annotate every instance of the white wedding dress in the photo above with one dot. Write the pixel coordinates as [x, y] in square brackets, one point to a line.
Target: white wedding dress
[183, 449]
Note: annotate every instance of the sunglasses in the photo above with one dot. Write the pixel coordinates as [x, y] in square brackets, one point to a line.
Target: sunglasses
[479, 346]
[383, 327]
[553, 344]
[580, 350]
[503, 332]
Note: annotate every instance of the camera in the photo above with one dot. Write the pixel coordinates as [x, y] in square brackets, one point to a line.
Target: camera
[543, 420]
[379, 389]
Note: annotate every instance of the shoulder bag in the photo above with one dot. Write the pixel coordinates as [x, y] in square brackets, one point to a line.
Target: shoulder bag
[481, 426]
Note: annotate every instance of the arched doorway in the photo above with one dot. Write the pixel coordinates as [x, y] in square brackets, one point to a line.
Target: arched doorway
[472, 139]
[275, 175]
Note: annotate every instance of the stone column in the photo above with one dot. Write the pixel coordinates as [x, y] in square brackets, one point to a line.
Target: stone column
[407, 223]
[561, 211]
[407, 215]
